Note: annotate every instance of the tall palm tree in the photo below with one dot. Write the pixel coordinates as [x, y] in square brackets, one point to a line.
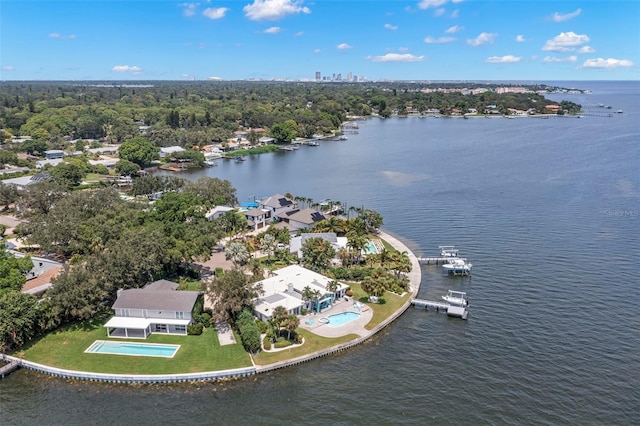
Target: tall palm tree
[278, 315]
[316, 299]
[291, 322]
[307, 294]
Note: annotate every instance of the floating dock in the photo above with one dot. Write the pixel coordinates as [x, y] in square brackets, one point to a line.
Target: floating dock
[447, 308]
[439, 260]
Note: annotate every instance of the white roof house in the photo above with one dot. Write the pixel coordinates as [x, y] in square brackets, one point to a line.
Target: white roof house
[53, 162]
[218, 211]
[296, 243]
[286, 288]
[166, 150]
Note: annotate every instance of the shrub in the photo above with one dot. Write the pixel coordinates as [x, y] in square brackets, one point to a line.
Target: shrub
[204, 319]
[266, 342]
[194, 329]
[298, 338]
[263, 327]
[349, 292]
[303, 311]
[355, 273]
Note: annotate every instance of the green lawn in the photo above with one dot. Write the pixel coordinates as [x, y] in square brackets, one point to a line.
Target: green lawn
[312, 344]
[381, 311]
[65, 349]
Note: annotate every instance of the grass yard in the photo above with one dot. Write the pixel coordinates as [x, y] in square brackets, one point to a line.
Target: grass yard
[312, 344]
[381, 311]
[65, 348]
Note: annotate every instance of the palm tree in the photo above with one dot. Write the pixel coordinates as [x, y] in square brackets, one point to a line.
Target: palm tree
[278, 315]
[291, 322]
[316, 297]
[332, 286]
[307, 294]
[237, 253]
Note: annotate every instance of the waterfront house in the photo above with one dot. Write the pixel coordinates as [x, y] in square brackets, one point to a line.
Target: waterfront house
[286, 288]
[168, 150]
[296, 243]
[277, 204]
[156, 308]
[302, 219]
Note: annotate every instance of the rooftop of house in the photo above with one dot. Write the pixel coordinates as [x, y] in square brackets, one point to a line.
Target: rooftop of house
[277, 201]
[157, 296]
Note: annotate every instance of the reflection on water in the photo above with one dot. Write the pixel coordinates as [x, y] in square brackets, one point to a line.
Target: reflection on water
[549, 340]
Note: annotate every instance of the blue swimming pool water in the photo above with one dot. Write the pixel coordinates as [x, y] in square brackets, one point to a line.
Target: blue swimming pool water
[133, 349]
[338, 320]
[370, 248]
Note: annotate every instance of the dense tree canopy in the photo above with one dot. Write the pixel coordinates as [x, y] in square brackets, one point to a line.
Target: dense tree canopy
[138, 150]
[12, 271]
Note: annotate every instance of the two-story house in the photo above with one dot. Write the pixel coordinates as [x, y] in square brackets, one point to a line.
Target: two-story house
[156, 308]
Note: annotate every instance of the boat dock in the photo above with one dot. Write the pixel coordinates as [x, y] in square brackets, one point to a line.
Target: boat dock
[9, 368]
[434, 260]
[451, 310]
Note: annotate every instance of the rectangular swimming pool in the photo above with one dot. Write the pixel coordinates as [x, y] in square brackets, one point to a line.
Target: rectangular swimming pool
[132, 349]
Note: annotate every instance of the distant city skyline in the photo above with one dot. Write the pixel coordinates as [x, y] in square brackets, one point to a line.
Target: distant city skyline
[422, 40]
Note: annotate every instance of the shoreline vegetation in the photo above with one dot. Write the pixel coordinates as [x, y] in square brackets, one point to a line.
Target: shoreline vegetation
[61, 352]
[87, 147]
[146, 122]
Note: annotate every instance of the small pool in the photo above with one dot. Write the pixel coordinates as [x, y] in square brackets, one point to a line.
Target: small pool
[132, 349]
[339, 320]
[370, 248]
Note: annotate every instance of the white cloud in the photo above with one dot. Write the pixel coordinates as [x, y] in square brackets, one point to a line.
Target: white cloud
[316, 51]
[520, 38]
[455, 13]
[189, 9]
[272, 30]
[454, 29]
[558, 17]
[586, 49]
[343, 46]
[439, 12]
[396, 57]
[609, 63]
[214, 78]
[565, 42]
[62, 36]
[299, 34]
[274, 9]
[572, 58]
[7, 68]
[483, 38]
[438, 40]
[126, 68]
[215, 13]
[507, 59]
[390, 27]
[426, 4]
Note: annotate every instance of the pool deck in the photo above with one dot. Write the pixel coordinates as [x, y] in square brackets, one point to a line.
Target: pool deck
[352, 327]
[357, 326]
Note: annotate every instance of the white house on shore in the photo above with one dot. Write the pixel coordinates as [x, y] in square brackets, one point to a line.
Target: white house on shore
[286, 289]
[156, 308]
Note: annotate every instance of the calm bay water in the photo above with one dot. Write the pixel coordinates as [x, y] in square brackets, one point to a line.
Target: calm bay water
[547, 210]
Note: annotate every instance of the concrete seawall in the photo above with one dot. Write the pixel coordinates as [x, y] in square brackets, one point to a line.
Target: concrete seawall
[415, 276]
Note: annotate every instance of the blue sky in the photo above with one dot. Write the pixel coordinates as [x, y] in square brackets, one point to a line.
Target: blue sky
[277, 39]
